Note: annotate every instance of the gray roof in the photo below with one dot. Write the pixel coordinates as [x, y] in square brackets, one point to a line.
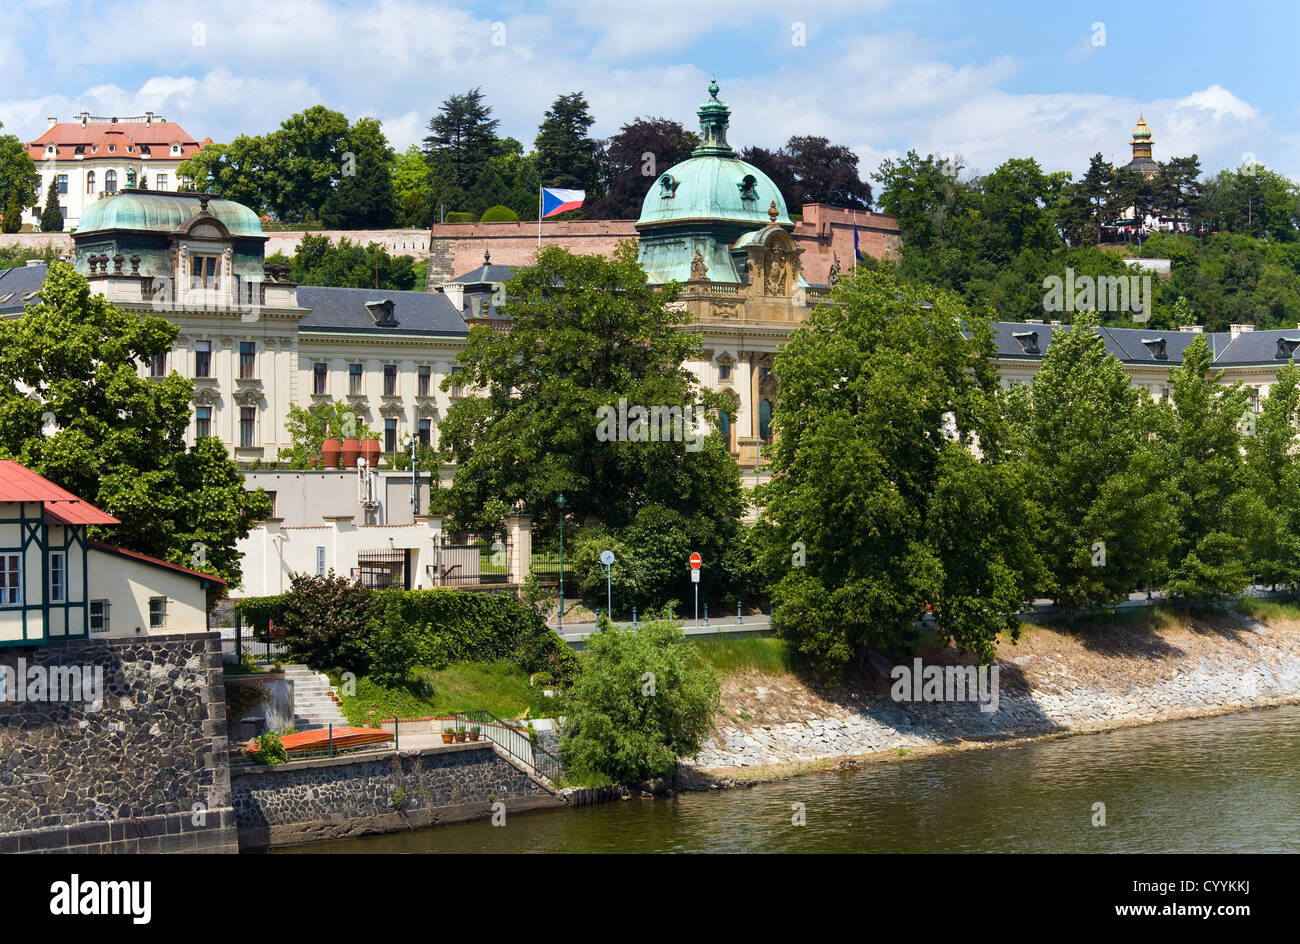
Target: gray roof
[344, 310]
[486, 274]
[17, 286]
[1144, 345]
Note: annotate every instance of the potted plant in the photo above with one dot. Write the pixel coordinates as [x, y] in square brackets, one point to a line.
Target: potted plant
[460, 737]
[448, 734]
[473, 733]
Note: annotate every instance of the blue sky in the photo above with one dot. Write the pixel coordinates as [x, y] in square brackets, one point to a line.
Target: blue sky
[1059, 81]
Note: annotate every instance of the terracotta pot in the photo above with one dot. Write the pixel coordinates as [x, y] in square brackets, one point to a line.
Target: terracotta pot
[351, 451]
[447, 738]
[330, 452]
[473, 736]
[460, 737]
[370, 451]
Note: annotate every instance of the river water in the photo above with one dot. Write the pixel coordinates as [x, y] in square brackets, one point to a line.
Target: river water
[1224, 784]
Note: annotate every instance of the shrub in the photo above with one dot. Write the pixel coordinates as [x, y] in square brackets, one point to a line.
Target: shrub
[458, 217]
[241, 699]
[499, 214]
[270, 750]
[392, 653]
[641, 701]
[325, 622]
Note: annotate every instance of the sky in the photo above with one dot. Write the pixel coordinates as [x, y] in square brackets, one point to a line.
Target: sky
[1059, 81]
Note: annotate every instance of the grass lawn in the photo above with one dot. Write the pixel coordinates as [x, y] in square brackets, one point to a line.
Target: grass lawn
[499, 687]
[1269, 609]
[760, 653]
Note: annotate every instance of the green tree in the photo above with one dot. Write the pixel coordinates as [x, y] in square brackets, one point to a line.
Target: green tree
[464, 136]
[309, 428]
[1095, 477]
[363, 197]
[345, 264]
[306, 159]
[52, 216]
[18, 176]
[877, 504]
[566, 155]
[626, 172]
[1212, 500]
[643, 699]
[13, 215]
[585, 331]
[1271, 459]
[411, 189]
[74, 408]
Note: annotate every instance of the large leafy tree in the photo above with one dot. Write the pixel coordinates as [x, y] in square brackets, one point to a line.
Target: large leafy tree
[345, 264]
[629, 161]
[566, 154]
[1096, 478]
[18, 177]
[585, 331]
[363, 197]
[1273, 461]
[309, 427]
[74, 409]
[878, 505]
[643, 699]
[1214, 504]
[810, 169]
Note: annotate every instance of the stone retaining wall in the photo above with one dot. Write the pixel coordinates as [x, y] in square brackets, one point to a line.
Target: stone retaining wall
[146, 772]
[335, 798]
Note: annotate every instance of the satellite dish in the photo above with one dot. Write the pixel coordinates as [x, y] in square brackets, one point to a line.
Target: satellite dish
[607, 557]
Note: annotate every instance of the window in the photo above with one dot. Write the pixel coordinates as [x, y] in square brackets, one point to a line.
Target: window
[271, 495]
[11, 580]
[724, 371]
[202, 422]
[1254, 399]
[112, 149]
[90, 181]
[202, 358]
[203, 272]
[62, 180]
[99, 616]
[319, 374]
[426, 373]
[390, 435]
[320, 562]
[58, 576]
[354, 378]
[424, 432]
[247, 359]
[724, 425]
[765, 422]
[158, 365]
[455, 382]
[390, 380]
[160, 181]
[110, 181]
[247, 426]
[157, 612]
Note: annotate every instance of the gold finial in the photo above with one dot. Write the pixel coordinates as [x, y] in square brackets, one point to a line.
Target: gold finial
[773, 212]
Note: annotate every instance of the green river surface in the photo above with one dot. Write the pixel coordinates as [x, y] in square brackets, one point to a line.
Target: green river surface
[1225, 784]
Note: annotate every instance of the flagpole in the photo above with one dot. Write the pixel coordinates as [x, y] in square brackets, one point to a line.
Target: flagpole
[855, 242]
[539, 216]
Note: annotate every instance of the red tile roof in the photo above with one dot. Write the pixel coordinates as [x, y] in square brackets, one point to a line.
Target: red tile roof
[155, 561]
[158, 137]
[20, 484]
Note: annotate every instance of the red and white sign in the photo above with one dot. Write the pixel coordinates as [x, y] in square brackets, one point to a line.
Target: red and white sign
[696, 561]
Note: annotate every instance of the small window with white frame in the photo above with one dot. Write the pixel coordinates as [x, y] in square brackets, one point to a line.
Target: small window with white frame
[11, 579]
[58, 576]
[320, 562]
[157, 612]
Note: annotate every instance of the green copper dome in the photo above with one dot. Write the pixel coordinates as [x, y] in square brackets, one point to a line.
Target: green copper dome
[704, 205]
[145, 211]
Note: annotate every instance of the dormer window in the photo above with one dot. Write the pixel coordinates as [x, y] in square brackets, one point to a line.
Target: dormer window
[382, 313]
[1028, 341]
[176, 148]
[1155, 347]
[112, 148]
[50, 149]
[1286, 346]
[748, 187]
[668, 186]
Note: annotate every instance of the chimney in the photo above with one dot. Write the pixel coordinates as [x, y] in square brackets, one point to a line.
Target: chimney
[1239, 329]
[148, 119]
[84, 116]
[1192, 329]
[52, 121]
[1033, 321]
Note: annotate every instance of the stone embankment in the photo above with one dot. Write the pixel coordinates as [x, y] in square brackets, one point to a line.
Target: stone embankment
[1049, 683]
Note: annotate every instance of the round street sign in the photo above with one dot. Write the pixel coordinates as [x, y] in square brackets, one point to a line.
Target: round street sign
[696, 560]
[607, 557]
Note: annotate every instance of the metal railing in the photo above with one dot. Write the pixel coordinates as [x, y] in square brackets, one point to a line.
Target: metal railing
[514, 742]
[477, 561]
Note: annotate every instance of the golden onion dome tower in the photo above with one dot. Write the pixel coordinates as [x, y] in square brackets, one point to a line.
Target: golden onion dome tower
[1143, 162]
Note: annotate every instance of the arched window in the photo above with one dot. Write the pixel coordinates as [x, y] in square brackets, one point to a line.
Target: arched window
[90, 181]
[765, 422]
[110, 181]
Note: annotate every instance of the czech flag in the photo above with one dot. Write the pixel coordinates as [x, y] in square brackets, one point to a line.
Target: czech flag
[560, 201]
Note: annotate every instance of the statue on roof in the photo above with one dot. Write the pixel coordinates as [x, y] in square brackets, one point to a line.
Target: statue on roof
[835, 268]
[699, 271]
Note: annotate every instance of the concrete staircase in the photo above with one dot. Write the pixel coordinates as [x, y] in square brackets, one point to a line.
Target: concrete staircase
[313, 702]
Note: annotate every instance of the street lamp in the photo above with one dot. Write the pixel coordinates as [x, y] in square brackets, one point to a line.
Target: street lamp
[412, 441]
[561, 503]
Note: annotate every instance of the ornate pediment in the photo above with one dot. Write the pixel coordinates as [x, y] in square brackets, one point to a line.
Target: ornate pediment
[206, 396]
[773, 264]
[250, 396]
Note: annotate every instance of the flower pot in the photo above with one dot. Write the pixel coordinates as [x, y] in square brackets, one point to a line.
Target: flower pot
[330, 452]
[370, 451]
[460, 737]
[473, 735]
[351, 450]
[447, 738]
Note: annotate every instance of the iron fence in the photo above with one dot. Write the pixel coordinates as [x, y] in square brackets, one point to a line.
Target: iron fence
[546, 568]
[514, 742]
[469, 561]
